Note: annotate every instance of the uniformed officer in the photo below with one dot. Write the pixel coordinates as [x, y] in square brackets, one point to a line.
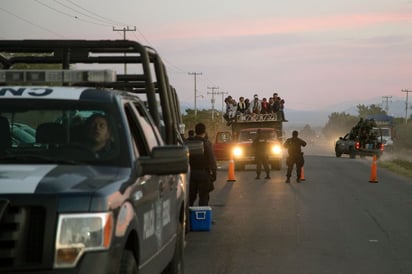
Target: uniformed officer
[293, 146]
[261, 148]
[203, 169]
[99, 135]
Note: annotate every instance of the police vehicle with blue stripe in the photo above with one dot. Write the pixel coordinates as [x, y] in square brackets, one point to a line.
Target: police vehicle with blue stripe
[68, 205]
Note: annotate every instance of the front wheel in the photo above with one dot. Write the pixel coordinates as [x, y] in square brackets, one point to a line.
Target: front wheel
[338, 153]
[352, 153]
[128, 263]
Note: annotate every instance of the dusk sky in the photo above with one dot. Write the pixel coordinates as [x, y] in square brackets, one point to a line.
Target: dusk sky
[315, 54]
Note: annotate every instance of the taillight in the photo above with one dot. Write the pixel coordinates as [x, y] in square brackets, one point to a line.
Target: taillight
[357, 145]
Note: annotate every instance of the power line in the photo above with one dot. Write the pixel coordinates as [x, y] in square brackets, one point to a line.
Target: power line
[31, 23]
[80, 12]
[68, 14]
[108, 20]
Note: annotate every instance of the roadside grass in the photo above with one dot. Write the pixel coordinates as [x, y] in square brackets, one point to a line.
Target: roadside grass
[399, 166]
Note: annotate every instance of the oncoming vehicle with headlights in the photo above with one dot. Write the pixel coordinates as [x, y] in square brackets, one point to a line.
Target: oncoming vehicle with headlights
[66, 206]
[237, 143]
[243, 153]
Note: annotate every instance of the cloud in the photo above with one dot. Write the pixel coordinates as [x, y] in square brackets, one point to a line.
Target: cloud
[266, 26]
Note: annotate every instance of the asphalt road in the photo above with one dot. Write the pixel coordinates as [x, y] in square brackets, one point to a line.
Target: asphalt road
[336, 221]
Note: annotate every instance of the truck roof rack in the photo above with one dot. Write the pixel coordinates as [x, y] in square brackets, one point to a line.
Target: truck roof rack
[148, 77]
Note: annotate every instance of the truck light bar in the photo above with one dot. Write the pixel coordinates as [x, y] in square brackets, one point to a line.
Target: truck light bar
[56, 76]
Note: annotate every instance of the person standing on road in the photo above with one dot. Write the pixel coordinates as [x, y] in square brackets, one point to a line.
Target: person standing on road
[295, 157]
[203, 169]
[260, 147]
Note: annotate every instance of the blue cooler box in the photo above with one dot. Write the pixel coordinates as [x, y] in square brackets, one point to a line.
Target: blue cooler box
[200, 218]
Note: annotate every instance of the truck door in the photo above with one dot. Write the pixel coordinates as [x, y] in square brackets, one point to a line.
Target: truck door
[164, 206]
[146, 192]
[167, 209]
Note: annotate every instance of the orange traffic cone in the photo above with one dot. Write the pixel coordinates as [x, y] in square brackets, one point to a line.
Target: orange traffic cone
[302, 174]
[373, 178]
[231, 170]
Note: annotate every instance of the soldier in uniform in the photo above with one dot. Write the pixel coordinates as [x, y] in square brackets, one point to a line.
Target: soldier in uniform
[295, 157]
[261, 149]
[203, 169]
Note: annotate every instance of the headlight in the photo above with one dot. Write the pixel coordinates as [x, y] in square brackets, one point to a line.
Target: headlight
[78, 233]
[237, 151]
[276, 149]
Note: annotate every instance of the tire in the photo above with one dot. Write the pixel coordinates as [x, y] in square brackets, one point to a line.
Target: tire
[176, 265]
[352, 153]
[337, 152]
[128, 263]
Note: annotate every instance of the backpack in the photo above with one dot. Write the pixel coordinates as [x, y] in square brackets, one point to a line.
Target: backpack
[196, 147]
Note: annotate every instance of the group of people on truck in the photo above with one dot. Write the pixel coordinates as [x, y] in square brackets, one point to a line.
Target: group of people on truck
[246, 109]
[363, 131]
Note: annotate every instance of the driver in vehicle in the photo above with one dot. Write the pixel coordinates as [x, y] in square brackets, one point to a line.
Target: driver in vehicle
[99, 135]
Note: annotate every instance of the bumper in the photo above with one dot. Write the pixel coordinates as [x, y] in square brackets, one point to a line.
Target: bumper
[251, 159]
[101, 262]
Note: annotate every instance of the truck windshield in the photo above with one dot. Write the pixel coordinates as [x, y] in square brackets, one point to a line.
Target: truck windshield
[386, 132]
[59, 132]
[250, 135]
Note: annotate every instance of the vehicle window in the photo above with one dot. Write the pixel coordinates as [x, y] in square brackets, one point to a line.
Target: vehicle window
[246, 135]
[385, 132]
[139, 140]
[224, 137]
[251, 135]
[60, 131]
[145, 134]
[148, 124]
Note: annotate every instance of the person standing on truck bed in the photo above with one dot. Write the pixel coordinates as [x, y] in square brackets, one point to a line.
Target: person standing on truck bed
[295, 157]
[241, 106]
[256, 105]
[261, 148]
[203, 169]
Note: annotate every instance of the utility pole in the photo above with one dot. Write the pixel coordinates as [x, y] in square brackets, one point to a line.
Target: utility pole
[223, 100]
[195, 74]
[385, 100]
[213, 100]
[124, 29]
[406, 105]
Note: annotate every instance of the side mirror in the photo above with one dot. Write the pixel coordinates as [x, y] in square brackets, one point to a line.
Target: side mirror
[165, 160]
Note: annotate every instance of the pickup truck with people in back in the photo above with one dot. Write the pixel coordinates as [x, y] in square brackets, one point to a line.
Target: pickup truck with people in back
[364, 139]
